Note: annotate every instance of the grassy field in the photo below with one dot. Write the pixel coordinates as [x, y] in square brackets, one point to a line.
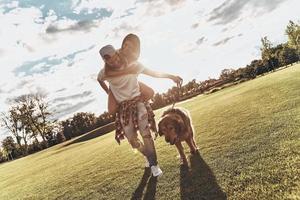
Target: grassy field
[249, 139]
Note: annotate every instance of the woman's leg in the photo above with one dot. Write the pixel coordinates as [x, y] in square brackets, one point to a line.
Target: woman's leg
[149, 148]
[146, 91]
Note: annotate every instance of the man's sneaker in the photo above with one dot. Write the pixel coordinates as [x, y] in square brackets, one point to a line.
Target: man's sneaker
[156, 171]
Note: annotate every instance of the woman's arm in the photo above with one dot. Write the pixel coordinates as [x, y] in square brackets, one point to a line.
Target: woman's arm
[176, 79]
[131, 69]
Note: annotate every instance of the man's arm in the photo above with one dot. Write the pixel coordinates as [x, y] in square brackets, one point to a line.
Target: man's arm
[104, 86]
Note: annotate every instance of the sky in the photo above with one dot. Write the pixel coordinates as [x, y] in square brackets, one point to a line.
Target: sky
[52, 46]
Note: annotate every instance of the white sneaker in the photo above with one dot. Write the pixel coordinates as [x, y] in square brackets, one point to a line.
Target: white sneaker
[156, 171]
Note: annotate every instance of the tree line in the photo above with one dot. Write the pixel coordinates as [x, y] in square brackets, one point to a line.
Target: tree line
[32, 127]
[272, 58]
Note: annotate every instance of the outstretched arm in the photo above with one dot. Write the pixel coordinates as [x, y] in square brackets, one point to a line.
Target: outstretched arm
[176, 79]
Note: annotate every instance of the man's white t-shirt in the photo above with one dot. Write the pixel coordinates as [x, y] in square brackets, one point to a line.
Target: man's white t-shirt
[124, 87]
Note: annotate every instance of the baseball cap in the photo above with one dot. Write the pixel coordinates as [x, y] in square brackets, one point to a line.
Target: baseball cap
[107, 50]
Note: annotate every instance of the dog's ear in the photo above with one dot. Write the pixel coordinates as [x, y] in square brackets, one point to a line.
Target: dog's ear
[160, 124]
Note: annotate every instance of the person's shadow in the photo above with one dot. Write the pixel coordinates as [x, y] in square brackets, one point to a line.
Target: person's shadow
[151, 187]
[199, 182]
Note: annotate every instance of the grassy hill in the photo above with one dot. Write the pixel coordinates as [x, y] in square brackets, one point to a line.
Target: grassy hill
[249, 139]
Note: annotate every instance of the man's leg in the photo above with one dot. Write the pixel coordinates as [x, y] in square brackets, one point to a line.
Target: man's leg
[132, 137]
[149, 148]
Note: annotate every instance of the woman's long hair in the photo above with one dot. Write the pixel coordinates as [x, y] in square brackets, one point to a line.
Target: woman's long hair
[135, 53]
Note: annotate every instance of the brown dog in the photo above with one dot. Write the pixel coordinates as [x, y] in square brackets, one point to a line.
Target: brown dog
[175, 125]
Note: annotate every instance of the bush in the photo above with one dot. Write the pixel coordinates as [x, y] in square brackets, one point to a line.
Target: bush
[34, 147]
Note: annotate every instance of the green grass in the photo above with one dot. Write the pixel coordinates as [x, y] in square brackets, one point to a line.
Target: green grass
[249, 139]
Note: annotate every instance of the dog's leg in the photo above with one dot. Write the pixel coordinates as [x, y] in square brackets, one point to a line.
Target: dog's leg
[191, 130]
[181, 153]
[193, 140]
[195, 147]
[190, 141]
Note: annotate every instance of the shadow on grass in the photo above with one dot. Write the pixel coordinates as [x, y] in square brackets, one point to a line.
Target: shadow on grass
[199, 182]
[151, 187]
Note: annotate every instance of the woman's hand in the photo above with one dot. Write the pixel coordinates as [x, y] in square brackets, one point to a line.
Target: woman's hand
[177, 80]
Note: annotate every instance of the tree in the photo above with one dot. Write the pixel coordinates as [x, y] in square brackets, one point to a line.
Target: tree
[11, 121]
[287, 55]
[9, 146]
[43, 115]
[35, 115]
[2, 157]
[27, 108]
[158, 101]
[227, 74]
[267, 53]
[258, 66]
[67, 129]
[191, 85]
[293, 32]
[28, 118]
[83, 122]
[14, 122]
[60, 137]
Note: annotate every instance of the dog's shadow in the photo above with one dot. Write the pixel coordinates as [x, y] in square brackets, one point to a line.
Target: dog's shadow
[199, 182]
[151, 187]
